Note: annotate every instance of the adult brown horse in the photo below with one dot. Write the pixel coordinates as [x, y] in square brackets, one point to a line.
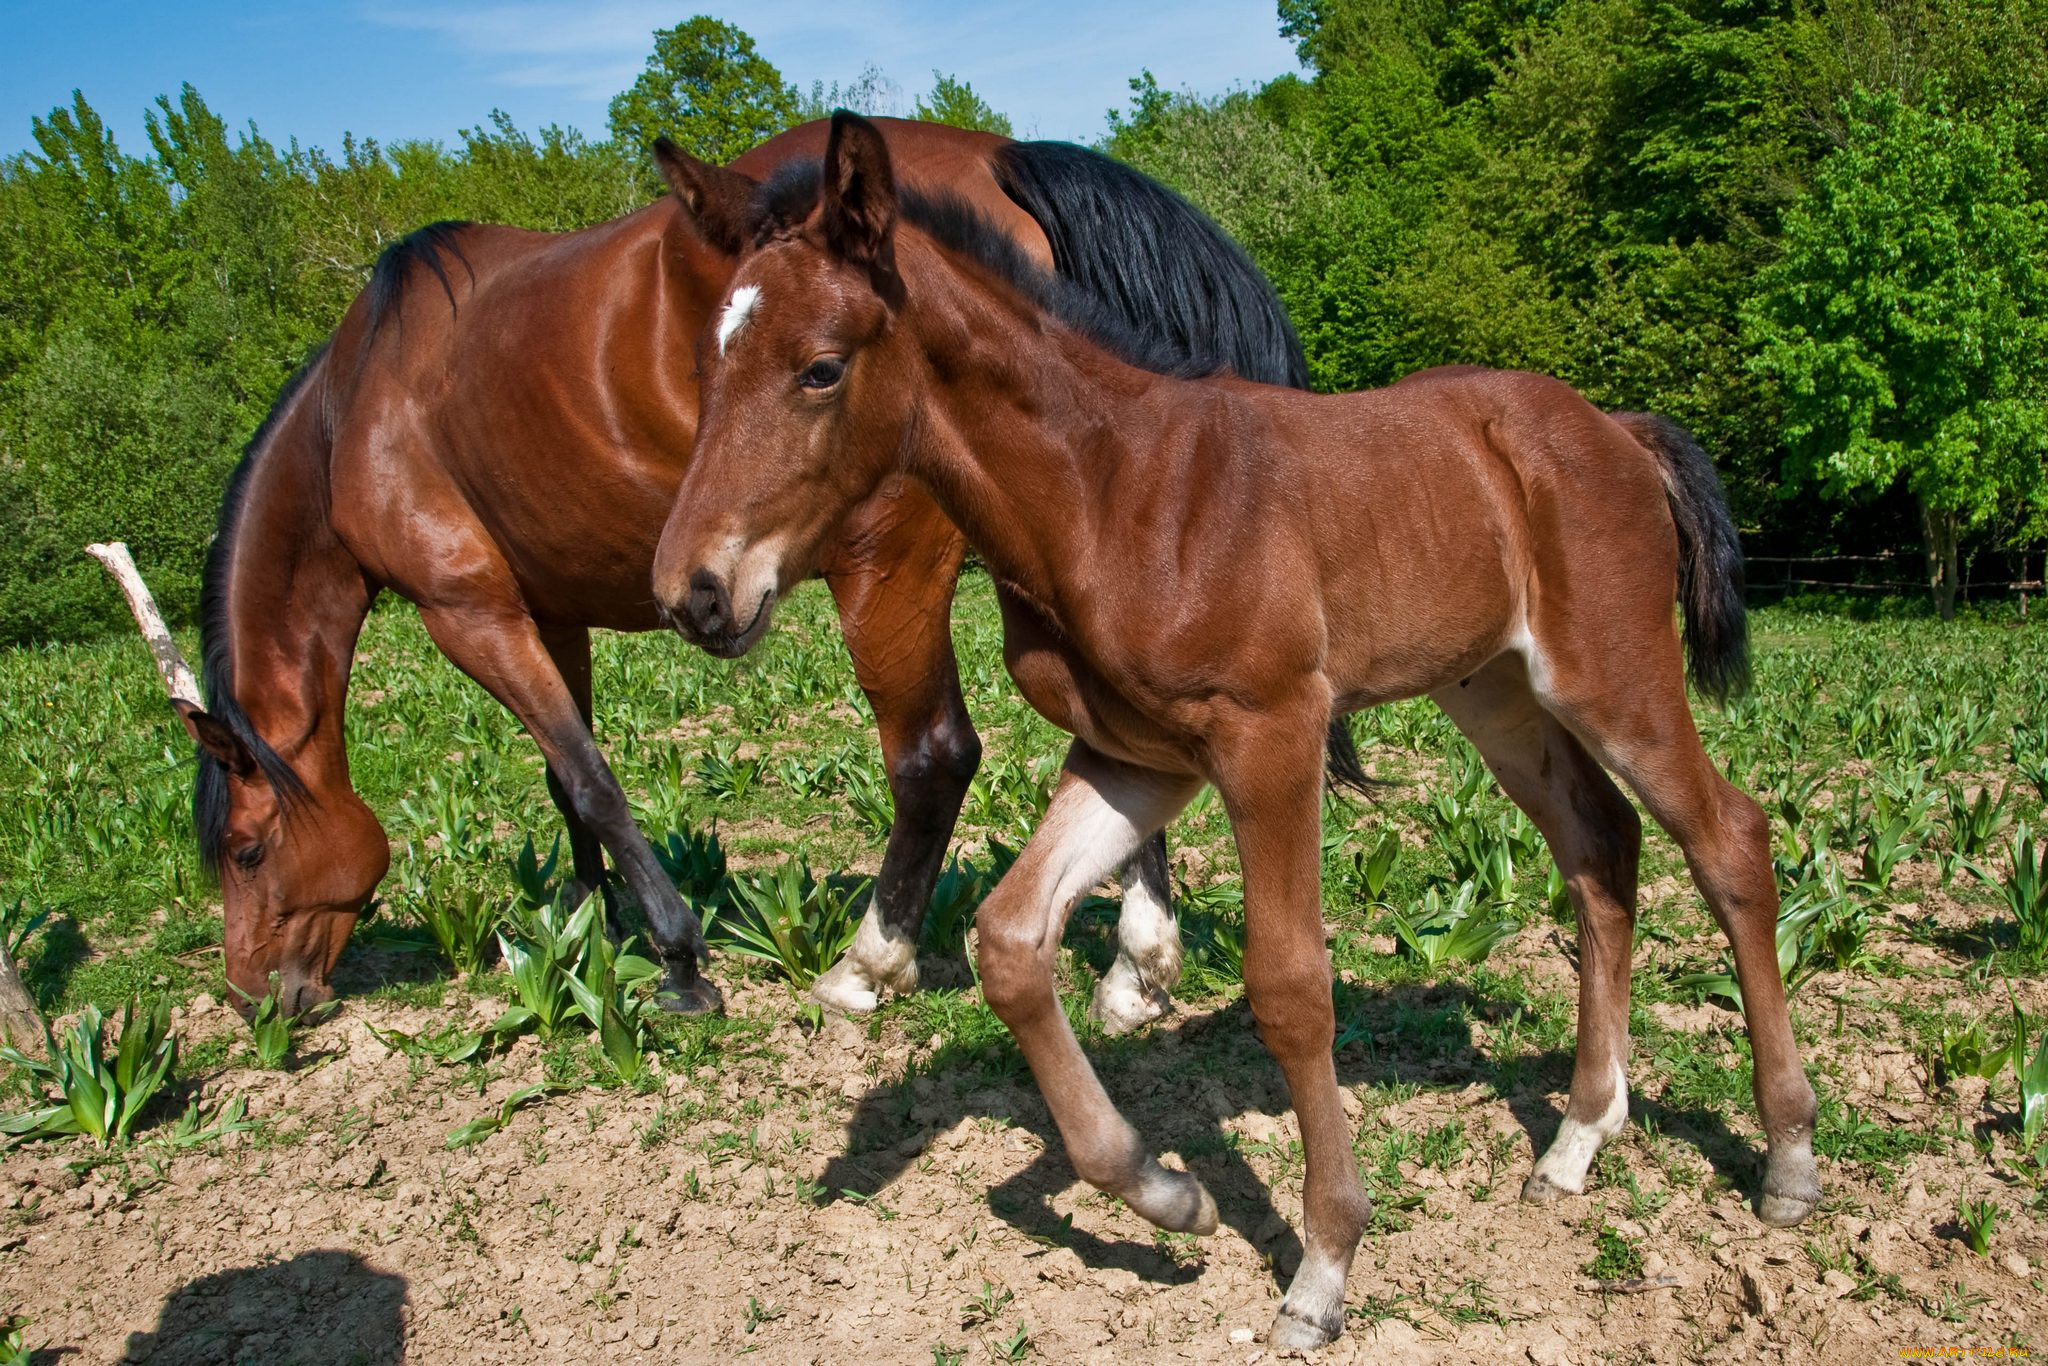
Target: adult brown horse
[497, 431]
[1195, 576]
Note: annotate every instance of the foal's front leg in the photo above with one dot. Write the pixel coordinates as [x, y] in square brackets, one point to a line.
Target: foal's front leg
[1270, 777]
[1100, 813]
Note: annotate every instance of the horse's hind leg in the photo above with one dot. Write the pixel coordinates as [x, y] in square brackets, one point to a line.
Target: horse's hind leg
[1639, 725]
[1136, 989]
[1100, 813]
[1595, 837]
[892, 579]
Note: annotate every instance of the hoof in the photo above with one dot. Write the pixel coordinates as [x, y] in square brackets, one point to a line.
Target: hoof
[697, 996]
[1539, 1189]
[1783, 1211]
[1293, 1333]
[1121, 1006]
[845, 990]
[1791, 1185]
[1175, 1201]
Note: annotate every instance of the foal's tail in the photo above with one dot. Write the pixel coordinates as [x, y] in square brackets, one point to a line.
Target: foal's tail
[1710, 581]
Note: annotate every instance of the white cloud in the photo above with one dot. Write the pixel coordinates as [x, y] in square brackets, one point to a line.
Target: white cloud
[1054, 66]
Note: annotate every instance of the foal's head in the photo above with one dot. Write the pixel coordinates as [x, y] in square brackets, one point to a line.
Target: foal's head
[806, 384]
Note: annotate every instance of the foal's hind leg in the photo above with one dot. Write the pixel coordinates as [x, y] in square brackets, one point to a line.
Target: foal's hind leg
[1596, 838]
[1100, 813]
[1136, 989]
[1639, 725]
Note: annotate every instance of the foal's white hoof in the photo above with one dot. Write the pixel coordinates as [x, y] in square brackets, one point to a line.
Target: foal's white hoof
[1291, 1333]
[1783, 1211]
[1175, 1201]
[1541, 1189]
[1124, 1002]
[848, 988]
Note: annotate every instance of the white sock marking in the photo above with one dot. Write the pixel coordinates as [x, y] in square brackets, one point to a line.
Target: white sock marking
[1569, 1158]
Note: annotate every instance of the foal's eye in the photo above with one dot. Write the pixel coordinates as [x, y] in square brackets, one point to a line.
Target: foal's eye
[823, 373]
[247, 859]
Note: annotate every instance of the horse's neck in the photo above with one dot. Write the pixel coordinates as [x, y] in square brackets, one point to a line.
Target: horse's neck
[1024, 443]
[294, 598]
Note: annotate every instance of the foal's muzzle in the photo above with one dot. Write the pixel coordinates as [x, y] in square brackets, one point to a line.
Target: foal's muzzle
[706, 618]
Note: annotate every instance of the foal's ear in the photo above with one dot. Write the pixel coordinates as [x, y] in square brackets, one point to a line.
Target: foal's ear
[858, 199]
[215, 736]
[714, 198]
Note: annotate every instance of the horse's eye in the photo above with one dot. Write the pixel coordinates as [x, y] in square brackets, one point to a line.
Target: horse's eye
[823, 373]
[247, 859]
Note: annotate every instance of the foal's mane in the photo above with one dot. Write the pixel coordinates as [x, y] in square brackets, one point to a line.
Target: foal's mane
[216, 637]
[787, 197]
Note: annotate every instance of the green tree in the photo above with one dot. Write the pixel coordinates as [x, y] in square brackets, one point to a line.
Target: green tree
[870, 93]
[707, 88]
[1907, 324]
[955, 102]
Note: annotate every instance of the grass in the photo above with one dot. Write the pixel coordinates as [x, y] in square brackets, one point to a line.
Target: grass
[1889, 756]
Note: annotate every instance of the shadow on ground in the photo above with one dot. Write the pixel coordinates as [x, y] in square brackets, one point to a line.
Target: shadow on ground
[1180, 1080]
[326, 1307]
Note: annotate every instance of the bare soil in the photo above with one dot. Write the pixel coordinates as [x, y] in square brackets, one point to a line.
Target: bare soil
[854, 1193]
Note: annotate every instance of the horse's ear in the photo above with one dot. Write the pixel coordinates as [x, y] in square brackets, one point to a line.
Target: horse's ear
[215, 736]
[714, 198]
[858, 199]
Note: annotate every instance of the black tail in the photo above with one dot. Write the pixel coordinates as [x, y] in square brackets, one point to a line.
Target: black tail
[1710, 581]
[1164, 269]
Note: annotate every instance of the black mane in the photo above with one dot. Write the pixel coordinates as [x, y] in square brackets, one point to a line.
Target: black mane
[217, 673]
[420, 247]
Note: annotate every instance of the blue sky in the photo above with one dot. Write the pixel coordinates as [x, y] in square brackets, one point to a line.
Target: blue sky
[389, 69]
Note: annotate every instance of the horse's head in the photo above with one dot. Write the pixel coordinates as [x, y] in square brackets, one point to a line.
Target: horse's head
[806, 387]
[298, 855]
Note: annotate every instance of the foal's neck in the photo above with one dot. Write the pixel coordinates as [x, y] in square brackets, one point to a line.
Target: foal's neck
[1028, 428]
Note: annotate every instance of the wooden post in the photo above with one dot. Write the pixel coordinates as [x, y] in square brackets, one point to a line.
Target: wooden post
[21, 1024]
[177, 674]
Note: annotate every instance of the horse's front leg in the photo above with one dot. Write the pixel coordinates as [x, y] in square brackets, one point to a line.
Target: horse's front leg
[1269, 773]
[1138, 987]
[502, 650]
[1100, 813]
[892, 578]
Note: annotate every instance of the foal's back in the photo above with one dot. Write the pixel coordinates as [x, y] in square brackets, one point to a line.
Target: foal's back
[1460, 512]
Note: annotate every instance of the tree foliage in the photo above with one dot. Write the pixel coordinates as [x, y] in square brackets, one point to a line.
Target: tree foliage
[954, 101]
[708, 89]
[1906, 324]
[1604, 189]
[1811, 230]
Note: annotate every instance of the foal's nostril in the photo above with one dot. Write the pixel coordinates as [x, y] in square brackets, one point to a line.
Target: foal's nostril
[709, 608]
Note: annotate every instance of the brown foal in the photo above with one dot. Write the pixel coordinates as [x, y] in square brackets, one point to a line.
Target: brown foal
[1196, 574]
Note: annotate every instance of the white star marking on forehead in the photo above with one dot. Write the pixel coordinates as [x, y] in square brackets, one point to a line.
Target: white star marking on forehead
[736, 314]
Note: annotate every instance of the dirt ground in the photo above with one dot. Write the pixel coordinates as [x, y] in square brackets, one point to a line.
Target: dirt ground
[852, 1193]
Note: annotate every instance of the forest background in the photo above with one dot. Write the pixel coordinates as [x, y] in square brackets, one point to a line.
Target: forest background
[1813, 232]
